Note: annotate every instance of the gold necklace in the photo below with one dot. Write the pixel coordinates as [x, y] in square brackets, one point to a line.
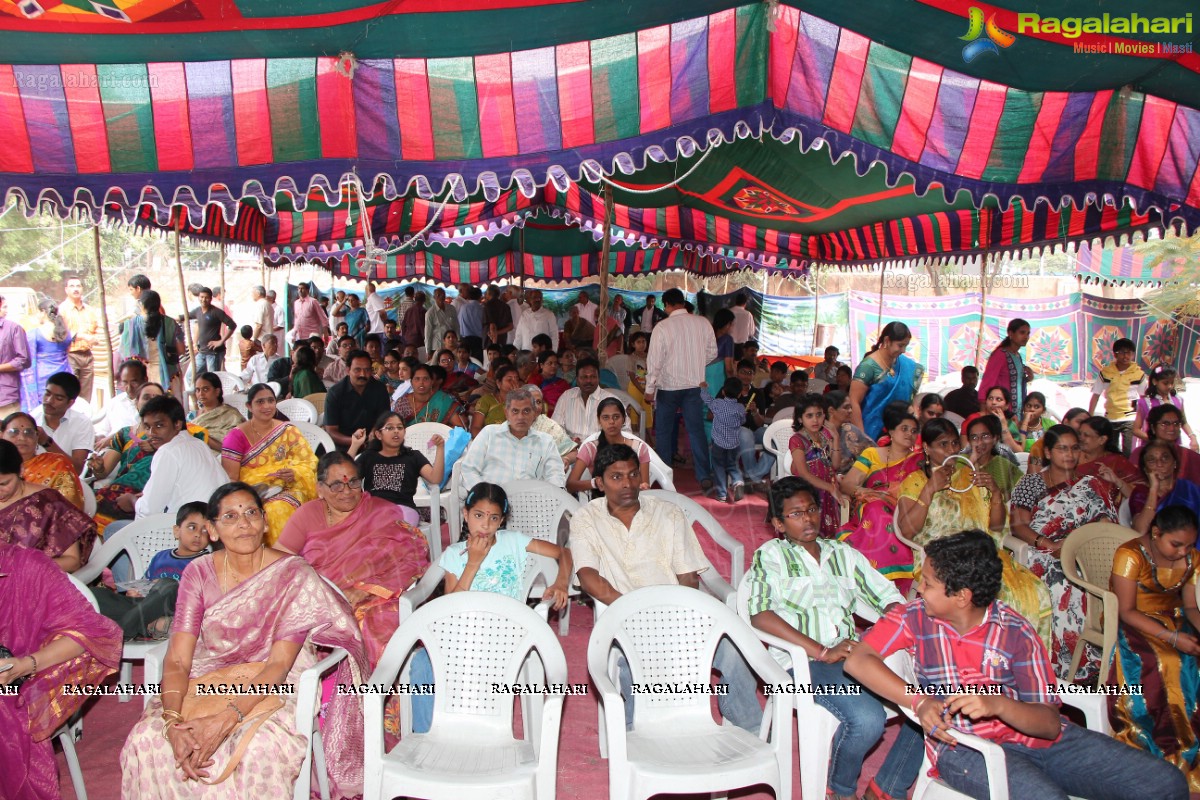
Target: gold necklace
[262, 553]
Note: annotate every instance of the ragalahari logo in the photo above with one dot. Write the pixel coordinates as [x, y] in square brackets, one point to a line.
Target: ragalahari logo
[984, 37]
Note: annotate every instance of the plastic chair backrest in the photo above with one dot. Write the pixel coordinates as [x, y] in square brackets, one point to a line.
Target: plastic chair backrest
[317, 400]
[1089, 549]
[297, 409]
[316, 436]
[237, 400]
[697, 513]
[89, 499]
[957, 419]
[660, 473]
[474, 639]
[775, 440]
[537, 507]
[418, 434]
[231, 383]
[632, 409]
[85, 591]
[141, 540]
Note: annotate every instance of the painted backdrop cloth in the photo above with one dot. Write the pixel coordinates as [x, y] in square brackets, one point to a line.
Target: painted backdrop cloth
[283, 448]
[40, 605]
[286, 601]
[1164, 719]
[45, 521]
[46, 357]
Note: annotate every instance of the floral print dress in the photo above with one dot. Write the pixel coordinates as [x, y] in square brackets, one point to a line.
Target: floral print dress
[818, 459]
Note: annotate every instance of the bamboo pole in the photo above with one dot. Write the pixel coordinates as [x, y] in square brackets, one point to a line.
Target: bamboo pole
[816, 307]
[983, 285]
[221, 267]
[187, 323]
[879, 316]
[605, 246]
[112, 388]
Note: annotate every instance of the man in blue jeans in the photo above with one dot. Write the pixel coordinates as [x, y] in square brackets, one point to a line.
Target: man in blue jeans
[982, 669]
[680, 348]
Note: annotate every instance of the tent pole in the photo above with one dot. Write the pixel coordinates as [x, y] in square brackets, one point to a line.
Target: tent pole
[221, 266]
[879, 317]
[602, 311]
[112, 389]
[816, 307]
[983, 284]
[187, 324]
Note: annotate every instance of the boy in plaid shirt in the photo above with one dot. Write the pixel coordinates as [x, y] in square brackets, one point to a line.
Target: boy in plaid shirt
[959, 635]
[728, 416]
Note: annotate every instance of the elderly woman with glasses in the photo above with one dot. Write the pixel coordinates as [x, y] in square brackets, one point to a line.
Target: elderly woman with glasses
[364, 545]
[1046, 507]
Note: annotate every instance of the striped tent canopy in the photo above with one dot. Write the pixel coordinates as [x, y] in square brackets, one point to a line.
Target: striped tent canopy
[1122, 265]
[511, 109]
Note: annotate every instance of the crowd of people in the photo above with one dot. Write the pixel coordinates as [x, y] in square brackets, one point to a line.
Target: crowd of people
[946, 515]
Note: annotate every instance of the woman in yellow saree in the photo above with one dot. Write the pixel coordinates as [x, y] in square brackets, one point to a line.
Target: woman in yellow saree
[47, 469]
[273, 457]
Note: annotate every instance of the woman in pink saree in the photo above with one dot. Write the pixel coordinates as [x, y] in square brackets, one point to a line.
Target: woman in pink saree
[873, 484]
[247, 604]
[57, 639]
[368, 547]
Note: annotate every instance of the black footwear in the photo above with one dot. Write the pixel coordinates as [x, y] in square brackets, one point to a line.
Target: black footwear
[706, 484]
[739, 491]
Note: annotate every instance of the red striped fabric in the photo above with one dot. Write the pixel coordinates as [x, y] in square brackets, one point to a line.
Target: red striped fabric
[335, 111]
[497, 114]
[251, 112]
[989, 105]
[722, 61]
[920, 100]
[88, 132]
[413, 110]
[1087, 146]
[16, 155]
[1041, 143]
[844, 86]
[1193, 198]
[575, 93]
[783, 50]
[1153, 135]
[654, 78]
[172, 123]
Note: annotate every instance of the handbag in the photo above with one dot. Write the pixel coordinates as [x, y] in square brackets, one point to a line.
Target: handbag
[6, 653]
[214, 700]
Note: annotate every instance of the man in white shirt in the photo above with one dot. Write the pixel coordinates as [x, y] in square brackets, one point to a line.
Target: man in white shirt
[183, 469]
[377, 309]
[681, 347]
[512, 296]
[587, 309]
[623, 542]
[744, 327]
[535, 319]
[440, 317]
[260, 363]
[71, 430]
[576, 408]
[278, 318]
[512, 451]
[337, 311]
[121, 411]
[264, 315]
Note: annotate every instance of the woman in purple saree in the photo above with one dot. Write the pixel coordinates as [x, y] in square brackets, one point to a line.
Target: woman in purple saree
[247, 604]
[57, 639]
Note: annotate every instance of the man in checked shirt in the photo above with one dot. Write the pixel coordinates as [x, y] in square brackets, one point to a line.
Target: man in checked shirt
[982, 669]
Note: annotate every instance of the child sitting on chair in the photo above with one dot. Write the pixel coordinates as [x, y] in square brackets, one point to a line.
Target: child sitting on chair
[963, 640]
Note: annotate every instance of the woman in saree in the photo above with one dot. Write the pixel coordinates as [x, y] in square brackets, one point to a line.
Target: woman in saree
[811, 445]
[48, 344]
[272, 456]
[489, 409]
[873, 485]
[1073, 419]
[292, 613]
[937, 501]
[1154, 579]
[57, 640]
[1100, 455]
[39, 518]
[1046, 506]
[357, 322]
[304, 379]
[214, 415]
[983, 448]
[51, 469]
[369, 548]
[423, 404]
[1161, 485]
[849, 442]
[885, 374]
[1005, 367]
[154, 339]
[546, 378]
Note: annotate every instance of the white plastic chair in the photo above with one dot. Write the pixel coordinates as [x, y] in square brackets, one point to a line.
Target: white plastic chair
[697, 513]
[660, 473]
[1125, 515]
[537, 509]
[474, 639]
[817, 386]
[956, 419]
[775, 441]
[239, 401]
[632, 409]
[297, 409]
[818, 725]
[276, 387]
[315, 436]
[417, 437]
[669, 634]
[1022, 460]
[1087, 560]
[72, 730]
[230, 383]
[89, 499]
[140, 540]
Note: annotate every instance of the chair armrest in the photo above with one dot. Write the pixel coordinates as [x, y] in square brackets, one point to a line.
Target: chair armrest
[712, 582]
[614, 709]
[1090, 588]
[152, 668]
[308, 693]
[413, 597]
[1094, 707]
[993, 757]
[101, 557]
[1015, 546]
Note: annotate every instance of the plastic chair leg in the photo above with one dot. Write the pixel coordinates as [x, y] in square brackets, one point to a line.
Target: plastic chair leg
[564, 619]
[1076, 657]
[126, 679]
[66, 738]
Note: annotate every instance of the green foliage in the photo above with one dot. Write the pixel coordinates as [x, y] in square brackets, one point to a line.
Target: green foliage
[1180, 294]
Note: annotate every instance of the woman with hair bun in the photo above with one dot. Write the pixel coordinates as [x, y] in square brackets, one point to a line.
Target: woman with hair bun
[884, 375]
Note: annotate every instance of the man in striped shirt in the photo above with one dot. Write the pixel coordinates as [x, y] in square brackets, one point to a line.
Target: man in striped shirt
[681, 347]
[981, 669]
